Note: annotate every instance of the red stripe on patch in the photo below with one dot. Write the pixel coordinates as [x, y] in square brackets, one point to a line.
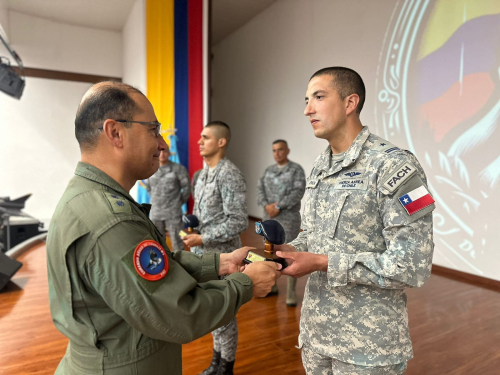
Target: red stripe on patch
[419, 204]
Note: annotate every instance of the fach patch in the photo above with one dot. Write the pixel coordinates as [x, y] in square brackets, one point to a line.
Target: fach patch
[395, 180]
[150, 260]
[118, 203]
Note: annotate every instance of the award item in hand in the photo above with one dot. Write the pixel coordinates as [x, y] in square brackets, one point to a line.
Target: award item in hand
[191, 222]
[273, 234]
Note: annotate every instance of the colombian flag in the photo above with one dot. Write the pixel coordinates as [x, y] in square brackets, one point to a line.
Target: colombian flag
[177, 74]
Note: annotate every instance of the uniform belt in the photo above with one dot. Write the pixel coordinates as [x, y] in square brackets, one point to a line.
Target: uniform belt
[91, 358]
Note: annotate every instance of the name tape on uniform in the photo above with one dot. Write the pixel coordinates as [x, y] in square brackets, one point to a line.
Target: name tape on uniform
[397, 178]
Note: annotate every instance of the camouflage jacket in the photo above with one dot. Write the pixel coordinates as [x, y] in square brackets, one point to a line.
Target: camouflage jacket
[356, 311]
[169, 188]
[220, 205]
[286, 186]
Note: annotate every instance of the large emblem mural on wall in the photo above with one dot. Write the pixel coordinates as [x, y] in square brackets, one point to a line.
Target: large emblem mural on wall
[438, 95]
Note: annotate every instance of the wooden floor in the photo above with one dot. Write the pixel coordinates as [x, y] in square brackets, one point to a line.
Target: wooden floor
[455, 328]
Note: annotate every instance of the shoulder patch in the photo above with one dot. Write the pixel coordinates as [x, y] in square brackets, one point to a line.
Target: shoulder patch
[416, 200]
[118, 204]
[396, 179]
[150, 260]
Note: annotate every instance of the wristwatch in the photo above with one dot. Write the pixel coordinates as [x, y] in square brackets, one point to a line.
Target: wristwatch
[278, 207]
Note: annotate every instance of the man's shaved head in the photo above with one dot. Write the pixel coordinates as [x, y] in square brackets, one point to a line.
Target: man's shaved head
[104, 100]
[220, 130]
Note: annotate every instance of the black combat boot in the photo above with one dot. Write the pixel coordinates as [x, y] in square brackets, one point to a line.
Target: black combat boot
[225, 367]
[214, 366]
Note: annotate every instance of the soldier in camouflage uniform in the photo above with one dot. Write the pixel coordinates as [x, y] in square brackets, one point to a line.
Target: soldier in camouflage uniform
[279, 192]
[169, 188]
[125, 302]
[367, 235]
[220, 205]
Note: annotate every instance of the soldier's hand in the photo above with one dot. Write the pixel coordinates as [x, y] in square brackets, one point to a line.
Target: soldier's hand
[192, 240]
[232, 262]
[263, 275]
[303, 263]
[271, 210]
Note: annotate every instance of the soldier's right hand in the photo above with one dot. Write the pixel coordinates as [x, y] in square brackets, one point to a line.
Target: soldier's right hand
[263, 275]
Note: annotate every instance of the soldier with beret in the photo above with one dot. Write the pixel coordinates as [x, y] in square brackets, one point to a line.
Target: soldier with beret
[220, 205]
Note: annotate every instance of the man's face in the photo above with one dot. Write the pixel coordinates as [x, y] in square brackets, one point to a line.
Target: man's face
[209, 144]
[280, 152]
[324, 108]
[164, 155]
[141, 147]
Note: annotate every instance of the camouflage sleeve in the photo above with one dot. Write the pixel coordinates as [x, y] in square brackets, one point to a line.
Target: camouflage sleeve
[261, 193]
[300, 243]
[233, 191]
[407, 259]
[298, 189]
[185, 184]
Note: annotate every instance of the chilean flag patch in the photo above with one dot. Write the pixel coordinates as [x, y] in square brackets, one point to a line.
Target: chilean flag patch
[416, 200]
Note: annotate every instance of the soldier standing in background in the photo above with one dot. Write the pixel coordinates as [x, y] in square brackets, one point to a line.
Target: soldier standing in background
[280, 191]
[169, 188]
[367, 235]
[220, 205]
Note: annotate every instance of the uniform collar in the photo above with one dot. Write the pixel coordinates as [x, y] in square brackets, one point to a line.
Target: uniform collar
[95, 174]
[278, 170]
[351, 155]
[210, 175]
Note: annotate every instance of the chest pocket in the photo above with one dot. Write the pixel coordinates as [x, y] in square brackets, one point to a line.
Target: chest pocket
[338, 200]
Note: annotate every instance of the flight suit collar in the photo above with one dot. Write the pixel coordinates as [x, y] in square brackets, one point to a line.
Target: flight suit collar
[90, 172]
[351, 155]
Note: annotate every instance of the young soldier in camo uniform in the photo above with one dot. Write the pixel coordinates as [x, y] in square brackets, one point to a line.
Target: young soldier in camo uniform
[367, 235]
[169, 188]
[280, 191]
[220, 205]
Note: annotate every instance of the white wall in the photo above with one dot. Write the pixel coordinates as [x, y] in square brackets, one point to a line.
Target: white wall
[134, 52]
[38, 148]
[4, 18]
[259, 78]
[46, 44]
[134, 47]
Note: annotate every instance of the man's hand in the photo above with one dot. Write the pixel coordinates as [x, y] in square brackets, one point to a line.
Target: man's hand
[192, 240]
[263, 275]
[303, 263]
[271, 209]
[232, 262]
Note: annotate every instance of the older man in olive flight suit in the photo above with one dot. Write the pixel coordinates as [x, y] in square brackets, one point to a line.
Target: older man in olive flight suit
[125, 301]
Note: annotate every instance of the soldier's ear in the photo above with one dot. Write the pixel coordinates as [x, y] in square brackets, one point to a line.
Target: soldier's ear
[113, 132]
[222, 142]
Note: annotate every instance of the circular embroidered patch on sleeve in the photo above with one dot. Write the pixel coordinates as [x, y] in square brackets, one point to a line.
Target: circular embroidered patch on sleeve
[150, 260]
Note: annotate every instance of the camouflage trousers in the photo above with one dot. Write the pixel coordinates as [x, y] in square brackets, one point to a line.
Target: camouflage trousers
[317, 364]
[173, 227]
[226, 340]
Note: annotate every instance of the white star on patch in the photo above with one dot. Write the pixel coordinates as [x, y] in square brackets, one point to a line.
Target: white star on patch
[406, 200]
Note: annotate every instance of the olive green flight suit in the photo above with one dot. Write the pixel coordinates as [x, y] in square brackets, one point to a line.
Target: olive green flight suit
[118, 322]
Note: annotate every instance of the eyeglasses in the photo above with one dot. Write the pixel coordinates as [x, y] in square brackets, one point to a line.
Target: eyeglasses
[156, 123]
